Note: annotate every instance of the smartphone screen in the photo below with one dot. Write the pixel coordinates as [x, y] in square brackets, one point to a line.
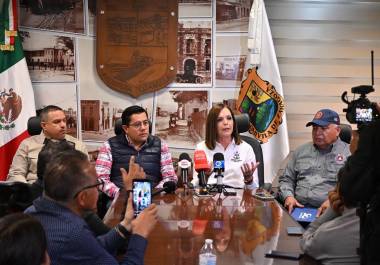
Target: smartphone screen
[294, 230]
[142, 195]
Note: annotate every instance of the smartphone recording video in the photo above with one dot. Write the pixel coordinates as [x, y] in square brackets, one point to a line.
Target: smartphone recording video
[142, 195]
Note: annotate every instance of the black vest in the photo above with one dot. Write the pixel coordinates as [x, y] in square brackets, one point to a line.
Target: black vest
[148, 157]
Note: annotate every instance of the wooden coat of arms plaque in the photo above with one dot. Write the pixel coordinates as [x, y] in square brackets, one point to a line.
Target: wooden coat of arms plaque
[136, 46]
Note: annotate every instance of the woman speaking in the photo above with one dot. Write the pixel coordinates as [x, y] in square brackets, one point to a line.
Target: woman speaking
[239, 159]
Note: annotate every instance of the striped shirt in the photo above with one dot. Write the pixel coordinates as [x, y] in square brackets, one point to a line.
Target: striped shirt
[104, 164]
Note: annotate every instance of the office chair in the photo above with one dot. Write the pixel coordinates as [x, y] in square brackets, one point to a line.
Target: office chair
[34, 125]
[345, 133]
[242, 123]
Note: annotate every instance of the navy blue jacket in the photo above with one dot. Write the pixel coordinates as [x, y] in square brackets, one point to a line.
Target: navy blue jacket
[71, 242]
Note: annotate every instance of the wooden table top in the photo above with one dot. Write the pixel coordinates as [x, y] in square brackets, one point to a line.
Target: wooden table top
[243, 229]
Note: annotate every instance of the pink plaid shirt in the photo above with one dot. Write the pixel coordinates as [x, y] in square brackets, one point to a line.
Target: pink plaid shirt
[104, 164]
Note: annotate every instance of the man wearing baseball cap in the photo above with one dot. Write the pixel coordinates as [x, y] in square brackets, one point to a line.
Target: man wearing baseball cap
[312, 170]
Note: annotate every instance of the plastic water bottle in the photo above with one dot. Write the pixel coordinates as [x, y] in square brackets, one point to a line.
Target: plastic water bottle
[207, 255]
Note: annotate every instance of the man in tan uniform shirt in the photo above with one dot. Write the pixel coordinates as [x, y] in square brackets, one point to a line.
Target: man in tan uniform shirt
[53, 123]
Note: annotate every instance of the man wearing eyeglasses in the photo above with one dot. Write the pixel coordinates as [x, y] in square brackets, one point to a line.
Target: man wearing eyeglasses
[150, 152]
[70, 189]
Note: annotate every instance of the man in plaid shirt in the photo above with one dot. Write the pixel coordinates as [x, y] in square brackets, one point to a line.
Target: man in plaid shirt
[150, 152]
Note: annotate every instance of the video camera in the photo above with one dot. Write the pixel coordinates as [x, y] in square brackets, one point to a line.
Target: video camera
[361, 111]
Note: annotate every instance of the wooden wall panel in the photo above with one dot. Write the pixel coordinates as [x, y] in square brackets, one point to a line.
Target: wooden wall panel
[323, 49]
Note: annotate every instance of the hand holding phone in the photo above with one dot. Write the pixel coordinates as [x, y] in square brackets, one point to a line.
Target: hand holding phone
[141, 195]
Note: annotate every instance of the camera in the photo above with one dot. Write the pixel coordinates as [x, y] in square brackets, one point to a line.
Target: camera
[360, 111]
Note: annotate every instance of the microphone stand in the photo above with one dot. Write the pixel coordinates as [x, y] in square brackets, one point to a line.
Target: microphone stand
[219, 187]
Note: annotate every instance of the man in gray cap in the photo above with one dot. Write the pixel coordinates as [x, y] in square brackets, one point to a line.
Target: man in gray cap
[312, 170]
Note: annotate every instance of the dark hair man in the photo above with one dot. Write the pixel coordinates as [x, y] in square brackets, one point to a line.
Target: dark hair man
[70, 189]
[53, 123]
[312, 170]
[22, 241]
[151, 153]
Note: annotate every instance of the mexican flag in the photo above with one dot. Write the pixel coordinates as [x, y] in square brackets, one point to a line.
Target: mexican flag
[16, 92]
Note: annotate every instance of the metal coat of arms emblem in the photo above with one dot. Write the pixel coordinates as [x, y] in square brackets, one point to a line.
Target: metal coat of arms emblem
[264, 105]
[137, 44]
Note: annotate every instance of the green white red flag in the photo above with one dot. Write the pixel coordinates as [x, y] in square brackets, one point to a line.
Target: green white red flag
[16, 92]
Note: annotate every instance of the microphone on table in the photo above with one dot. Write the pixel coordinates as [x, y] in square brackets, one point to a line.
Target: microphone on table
[184, 164]
[168, 187]
[218, 162]
[201, 166]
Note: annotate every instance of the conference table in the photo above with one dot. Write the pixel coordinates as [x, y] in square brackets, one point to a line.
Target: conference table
[243, 229]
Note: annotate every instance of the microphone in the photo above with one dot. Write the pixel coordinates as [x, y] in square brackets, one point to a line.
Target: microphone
[201, 166]
[218, 161]
[168, 187]
[184, 163]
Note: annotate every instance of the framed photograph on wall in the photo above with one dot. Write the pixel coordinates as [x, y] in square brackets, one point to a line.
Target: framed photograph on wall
[180, 117]
[232, 16]
[62, 95]
[230, 59]
[62, 15]
[194, 8]
[50, 58]
[194, 54]
[225, 96]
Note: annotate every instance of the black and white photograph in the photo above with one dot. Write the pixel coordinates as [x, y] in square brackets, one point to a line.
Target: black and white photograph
[225, 96]
[194, 53]
[91, 11]
[50, 58]
[61, 95]
[100, 105]
[230, 59]
[55, 15]
[180, 117]
[232, 15]
[194, 8]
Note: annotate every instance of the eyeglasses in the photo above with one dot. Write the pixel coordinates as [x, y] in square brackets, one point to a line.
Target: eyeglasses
[139, 124]
[99, 184]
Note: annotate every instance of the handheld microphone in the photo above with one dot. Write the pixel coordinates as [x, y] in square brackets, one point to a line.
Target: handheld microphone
[184, 163]
[201, 165]
[218, 161]
[168, 187]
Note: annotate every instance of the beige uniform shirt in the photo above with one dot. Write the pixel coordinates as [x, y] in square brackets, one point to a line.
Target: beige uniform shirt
[24, 164]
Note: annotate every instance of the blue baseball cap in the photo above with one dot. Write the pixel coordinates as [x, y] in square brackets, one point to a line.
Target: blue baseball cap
[324, 117]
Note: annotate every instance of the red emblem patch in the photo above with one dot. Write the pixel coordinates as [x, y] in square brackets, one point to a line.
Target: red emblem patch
[318, 115]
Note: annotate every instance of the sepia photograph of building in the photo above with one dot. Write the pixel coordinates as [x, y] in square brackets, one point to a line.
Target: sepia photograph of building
[233, 15]
[194, 52]
[230, 69]
[180, 117]
[225, 96]
[62, 15]
[50, 58]
[194, 8]
[61, 95]
[230, 60]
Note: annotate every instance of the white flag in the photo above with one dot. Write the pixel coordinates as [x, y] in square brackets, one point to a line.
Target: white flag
[261, 94]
